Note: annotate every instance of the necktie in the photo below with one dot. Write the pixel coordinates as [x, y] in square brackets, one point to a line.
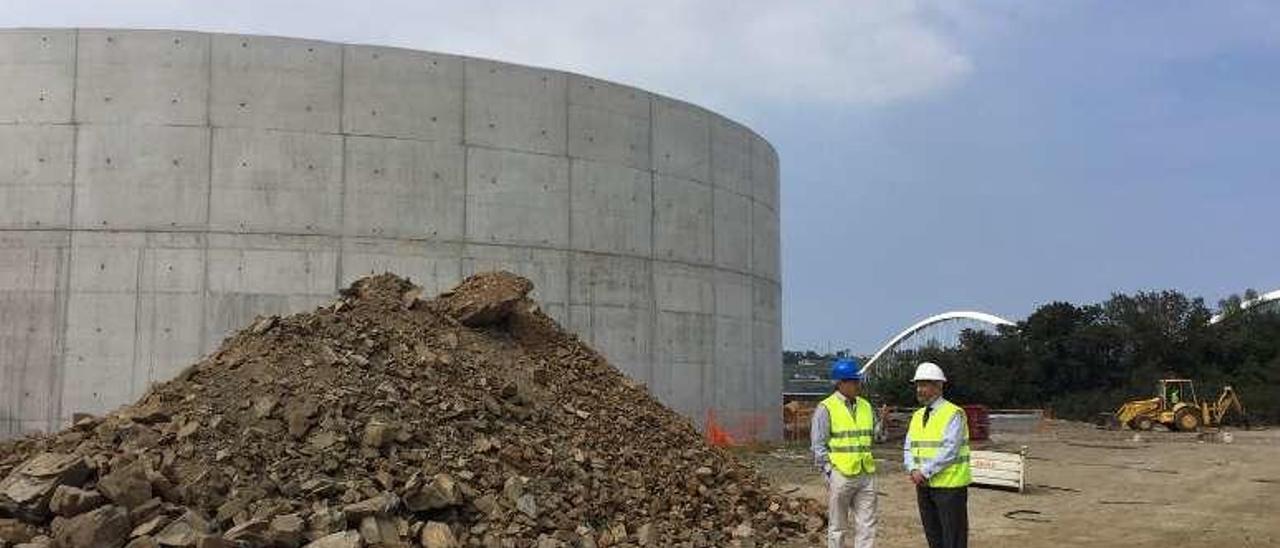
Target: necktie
[927, 409]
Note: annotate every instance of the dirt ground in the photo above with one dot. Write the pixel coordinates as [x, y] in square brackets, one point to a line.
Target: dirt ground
[1090, 487]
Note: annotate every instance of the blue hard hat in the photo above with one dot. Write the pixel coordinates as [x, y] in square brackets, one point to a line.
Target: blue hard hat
[846, 369]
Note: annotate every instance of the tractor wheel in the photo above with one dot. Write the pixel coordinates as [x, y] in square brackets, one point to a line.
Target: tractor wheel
[1142, 423]
[1186, 420]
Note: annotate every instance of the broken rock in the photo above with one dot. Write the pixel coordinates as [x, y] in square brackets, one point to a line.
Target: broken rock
[263, 406]
[287, 530]
[148, 413]
[646, 535]
[105, 527]
[71, 501]
[325, 521]
[263, 325]
[345, 539]
[184, 531]
[485, 299]
[486, 504]
[253, 532]
[442, 492]
[213, 541]
[150, 526]
[13, 531]
[145, 512]
[586, 537]
[381, 504]
[143, 542]
[379, 531]
[300, 417]
[127, 486]
[25, 493]
[378, 434]
[545, 541]
[526, 505]
[438, 535]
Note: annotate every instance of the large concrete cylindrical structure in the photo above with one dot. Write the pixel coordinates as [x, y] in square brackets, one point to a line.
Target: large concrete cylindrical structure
[159, 189]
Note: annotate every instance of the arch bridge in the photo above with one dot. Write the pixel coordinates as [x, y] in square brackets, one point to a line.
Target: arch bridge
[938, 330]
[1260, 300]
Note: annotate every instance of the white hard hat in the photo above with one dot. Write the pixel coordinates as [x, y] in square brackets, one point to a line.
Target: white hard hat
[929, 371]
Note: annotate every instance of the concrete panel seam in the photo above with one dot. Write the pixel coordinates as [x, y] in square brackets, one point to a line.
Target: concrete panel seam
[272, 130]
[751, 224]
[709, 372]
[764, 204]
[516, 150]
[569, 213]
[57, 371]
[399, 138]
[654, 367]
[142, 125]
[734, 192]
[37, 124]
[75, 132]
[276, 129]
[751, 261]
[606, 306]
[170, 292]
[337, 237]
[342, 169]
[711, 160]
[466, 160]
[208, 199]
[137, 316]
[64, 281]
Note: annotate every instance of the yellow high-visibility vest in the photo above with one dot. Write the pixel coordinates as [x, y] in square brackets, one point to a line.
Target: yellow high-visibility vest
[849, 447]
[927, 439]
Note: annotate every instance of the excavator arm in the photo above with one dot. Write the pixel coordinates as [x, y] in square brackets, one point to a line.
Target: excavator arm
[1228, 401]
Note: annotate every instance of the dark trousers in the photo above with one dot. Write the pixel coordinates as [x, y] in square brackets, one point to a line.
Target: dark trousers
[944, 512]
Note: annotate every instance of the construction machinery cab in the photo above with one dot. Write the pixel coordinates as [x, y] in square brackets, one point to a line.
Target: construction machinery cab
[1179, 405]
[1176, 391]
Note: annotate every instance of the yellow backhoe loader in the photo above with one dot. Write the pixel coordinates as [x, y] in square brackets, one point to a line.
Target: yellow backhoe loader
[1177, 407]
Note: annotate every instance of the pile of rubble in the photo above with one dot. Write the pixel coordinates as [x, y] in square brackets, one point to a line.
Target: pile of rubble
[385, 420]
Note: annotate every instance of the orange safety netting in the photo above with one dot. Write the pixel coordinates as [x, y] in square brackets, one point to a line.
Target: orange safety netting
[735, 428]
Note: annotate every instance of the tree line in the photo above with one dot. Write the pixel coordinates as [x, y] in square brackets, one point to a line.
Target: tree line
[1079, 361]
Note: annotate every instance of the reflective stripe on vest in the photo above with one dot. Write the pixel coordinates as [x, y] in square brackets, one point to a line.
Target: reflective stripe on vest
[849, 447]
[927, 439]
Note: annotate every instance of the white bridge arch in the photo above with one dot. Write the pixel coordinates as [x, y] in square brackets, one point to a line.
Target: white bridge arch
[1260, 299]
[983, 317]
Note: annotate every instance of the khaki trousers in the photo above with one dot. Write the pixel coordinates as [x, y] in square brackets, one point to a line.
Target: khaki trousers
[851, 495]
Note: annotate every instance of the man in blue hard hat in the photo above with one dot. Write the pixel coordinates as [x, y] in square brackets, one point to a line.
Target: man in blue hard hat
[840, 436]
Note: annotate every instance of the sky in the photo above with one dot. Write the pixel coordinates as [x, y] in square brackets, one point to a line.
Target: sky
[935, 155]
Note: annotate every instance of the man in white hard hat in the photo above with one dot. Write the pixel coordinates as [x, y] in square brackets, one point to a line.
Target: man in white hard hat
[936, 455]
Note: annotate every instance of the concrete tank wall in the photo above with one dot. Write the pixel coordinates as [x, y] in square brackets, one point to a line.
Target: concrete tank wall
[159, 189]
